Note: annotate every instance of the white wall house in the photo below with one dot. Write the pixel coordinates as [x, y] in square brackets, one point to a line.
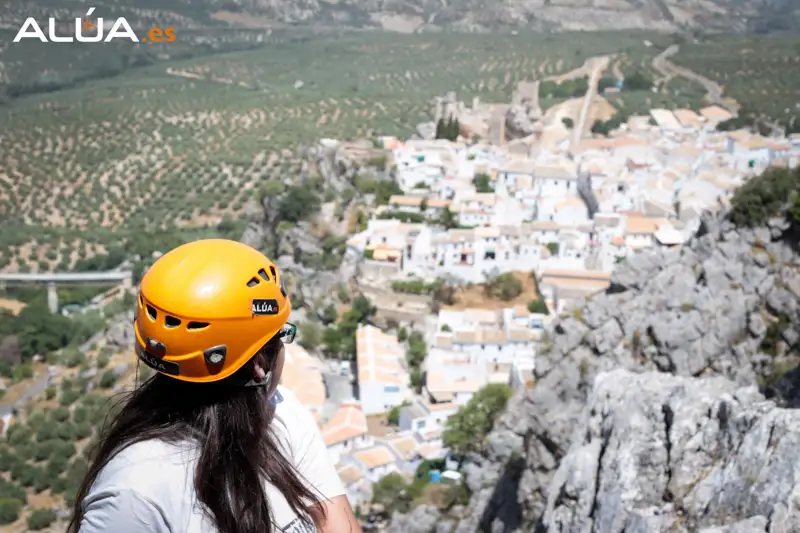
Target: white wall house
[382, 375]
[422, 417]
[376, 462]
[346, 430]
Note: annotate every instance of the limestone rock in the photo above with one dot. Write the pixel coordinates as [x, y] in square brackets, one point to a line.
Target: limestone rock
[647, 400]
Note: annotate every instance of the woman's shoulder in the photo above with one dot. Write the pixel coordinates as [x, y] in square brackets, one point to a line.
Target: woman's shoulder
[295, 417]
[285, 402]
[146, 467]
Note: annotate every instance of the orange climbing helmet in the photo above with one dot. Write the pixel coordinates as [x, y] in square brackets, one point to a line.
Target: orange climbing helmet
[207, 307]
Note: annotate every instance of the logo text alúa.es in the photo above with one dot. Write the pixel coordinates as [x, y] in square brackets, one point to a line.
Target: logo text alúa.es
[120, 29]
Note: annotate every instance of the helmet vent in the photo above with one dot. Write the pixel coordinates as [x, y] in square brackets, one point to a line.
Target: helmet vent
[151, 312]
[263, 274]
[274, 274]
[172, 322]
[253, 282]
[196, 326]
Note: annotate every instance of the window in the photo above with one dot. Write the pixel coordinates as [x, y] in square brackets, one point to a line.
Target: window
[420, 424]
[391, 388]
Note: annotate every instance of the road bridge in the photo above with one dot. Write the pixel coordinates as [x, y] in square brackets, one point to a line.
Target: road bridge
[54, 279]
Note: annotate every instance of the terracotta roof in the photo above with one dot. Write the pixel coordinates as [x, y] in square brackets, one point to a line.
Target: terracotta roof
[374, 457]
[429, 450]
[437, 381]
[716, 113]
[349, 474]
[577, 274]
[546, 225]
[639, 225]
[484, 336]
[687, 117]
[434, 407]
[302, 375]
[348, 422]
[379, 357]
[405, 447]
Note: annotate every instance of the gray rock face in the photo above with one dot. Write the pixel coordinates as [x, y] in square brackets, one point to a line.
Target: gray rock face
[694, 454]
[709, 325]
[422, 519]
[522, 120]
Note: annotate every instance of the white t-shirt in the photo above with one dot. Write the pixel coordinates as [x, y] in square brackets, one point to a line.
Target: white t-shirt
[149, 486]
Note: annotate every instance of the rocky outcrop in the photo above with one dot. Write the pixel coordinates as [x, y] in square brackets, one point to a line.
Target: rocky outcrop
[657, 452]
[522, 120]
[312, 254]
[480, 15]
[707, 325]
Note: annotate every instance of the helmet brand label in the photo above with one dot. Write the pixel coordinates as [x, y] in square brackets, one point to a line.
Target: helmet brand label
[160, 365]
[265, 307]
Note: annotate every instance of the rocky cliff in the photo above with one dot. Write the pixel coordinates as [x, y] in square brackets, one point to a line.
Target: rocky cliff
[663, 404]
[433, 15]
[547, 15]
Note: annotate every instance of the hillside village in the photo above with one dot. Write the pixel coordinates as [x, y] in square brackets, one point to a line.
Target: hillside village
[539, 215]
[473, 213]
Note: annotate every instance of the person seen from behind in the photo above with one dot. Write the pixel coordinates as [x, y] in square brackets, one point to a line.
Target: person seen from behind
[211, 443]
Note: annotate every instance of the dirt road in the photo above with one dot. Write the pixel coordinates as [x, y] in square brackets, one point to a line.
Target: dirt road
[668, 69]
[598, 65]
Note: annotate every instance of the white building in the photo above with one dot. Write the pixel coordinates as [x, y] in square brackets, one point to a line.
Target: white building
[423, 416]
[383, 378]
[376, 462]
[346, 430]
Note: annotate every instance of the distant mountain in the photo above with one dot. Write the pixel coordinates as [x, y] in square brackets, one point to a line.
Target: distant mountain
[421, 15]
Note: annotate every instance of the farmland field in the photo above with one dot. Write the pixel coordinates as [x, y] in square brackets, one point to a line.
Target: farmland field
[162, 153]
[761, 73]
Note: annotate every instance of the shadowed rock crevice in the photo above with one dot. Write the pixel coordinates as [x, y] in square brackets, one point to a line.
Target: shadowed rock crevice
[503, 513]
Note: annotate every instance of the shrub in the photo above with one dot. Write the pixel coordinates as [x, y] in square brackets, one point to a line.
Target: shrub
[60, 414]
[50, 393]
[43, 481]
[12, 490]
[46, 431]
[19, 435]
[108, 379]
[40, 519]
[391, 492]
[7, 458]
[310, 335]
[25, 475]
[72, 357]
[68, 397]
[83, 430]
[9, 510]
[44, 450]
[466, 430]
[505, 286]
[80, 414]
[58, 485]
[63, 452]
[763, 196]
[538, 306]
[102, 361]
[65, 431]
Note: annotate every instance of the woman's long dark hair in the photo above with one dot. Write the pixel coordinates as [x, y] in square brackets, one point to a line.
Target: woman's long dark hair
[238, 449]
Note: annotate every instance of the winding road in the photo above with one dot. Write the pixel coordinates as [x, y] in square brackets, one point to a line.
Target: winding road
[669, 69]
